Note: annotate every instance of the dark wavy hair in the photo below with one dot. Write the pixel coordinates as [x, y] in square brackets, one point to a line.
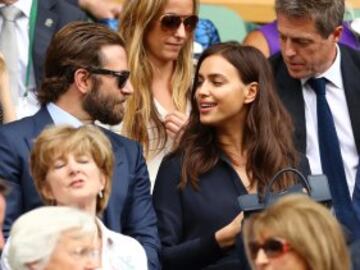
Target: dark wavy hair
[268, 127]
[76, 45]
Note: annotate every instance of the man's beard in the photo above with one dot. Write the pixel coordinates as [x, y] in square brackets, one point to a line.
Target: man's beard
[106, 109]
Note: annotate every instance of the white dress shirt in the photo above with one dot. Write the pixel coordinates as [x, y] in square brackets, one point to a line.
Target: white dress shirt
[26, 106]
[335, 96]
[121, 252]
[61, 117]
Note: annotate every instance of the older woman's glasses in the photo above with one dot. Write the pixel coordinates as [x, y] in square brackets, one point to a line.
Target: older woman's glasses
[121, 76]
[273, 247]
[171, 22]
[86, 253]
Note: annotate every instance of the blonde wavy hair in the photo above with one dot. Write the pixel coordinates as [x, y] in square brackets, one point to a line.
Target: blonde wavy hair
[309, 228]
[59, 141]
[136, 19]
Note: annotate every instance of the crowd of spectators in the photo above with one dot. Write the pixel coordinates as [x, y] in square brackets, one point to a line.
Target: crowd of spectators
[116, 152]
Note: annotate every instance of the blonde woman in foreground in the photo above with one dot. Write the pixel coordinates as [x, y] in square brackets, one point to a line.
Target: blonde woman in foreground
[295, 233]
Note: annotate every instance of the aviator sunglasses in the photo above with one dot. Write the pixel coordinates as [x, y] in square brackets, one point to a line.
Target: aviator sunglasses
[273, 247]
[172, 22]
[121, 76]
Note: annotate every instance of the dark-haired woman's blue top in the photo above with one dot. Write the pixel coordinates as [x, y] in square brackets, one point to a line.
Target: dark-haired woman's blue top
[188, 219]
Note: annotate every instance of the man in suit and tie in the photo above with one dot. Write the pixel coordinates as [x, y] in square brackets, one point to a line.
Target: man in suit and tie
[318, 82]
[33, 26]
[85, 79]
[37, 22]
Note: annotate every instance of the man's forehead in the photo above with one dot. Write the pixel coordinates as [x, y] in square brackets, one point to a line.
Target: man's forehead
[112, 54]
[296, 27]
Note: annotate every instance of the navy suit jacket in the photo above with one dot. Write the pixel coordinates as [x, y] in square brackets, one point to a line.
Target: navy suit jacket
[51, 16]
[129, 210]
[290, 92]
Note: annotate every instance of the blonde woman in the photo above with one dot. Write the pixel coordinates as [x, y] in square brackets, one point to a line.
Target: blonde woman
[73, 167]
[158, 35]
[295, 233]
[7, 108]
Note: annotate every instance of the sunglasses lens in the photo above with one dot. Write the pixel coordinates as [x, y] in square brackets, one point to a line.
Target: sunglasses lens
[170, 22]
[190, 23]
[273, 248]
[254, 249]
[122, 79]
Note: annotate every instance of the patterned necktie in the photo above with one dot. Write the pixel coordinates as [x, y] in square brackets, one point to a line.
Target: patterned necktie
[331, 160]
[8, 46]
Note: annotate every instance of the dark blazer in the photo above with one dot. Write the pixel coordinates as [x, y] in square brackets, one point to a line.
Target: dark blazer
[130, 209]
[291, 93]
[51, 16]
[189, 218]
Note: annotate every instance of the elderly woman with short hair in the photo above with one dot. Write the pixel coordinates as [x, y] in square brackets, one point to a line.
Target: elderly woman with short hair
[73, 167]
[53, 238]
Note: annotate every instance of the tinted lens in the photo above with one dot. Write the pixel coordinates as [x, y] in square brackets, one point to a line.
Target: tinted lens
[190, 23]
[254, 249]
[273, 248]
[122, 78]
[171, 22]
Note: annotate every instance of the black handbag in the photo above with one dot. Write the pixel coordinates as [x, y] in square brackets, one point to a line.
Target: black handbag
[316, 187]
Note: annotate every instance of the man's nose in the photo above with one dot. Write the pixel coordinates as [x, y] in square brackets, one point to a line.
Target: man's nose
[128, 88]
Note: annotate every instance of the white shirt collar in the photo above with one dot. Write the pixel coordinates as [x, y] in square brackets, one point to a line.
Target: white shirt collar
[23, 5]
[61, 117]
[333, 73]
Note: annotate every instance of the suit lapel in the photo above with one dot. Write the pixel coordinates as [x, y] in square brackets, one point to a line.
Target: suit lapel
[120, 180]
[290, 92]
[41, 119]
[118, 149]
[351, 83]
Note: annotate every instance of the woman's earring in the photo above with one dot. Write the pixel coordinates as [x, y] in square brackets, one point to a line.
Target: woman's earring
[100, 194]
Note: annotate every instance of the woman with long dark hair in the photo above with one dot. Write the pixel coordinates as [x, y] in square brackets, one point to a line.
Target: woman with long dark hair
[239, 135]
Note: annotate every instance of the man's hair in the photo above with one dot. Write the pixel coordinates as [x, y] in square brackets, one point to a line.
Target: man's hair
[327, 14]
[76, 45]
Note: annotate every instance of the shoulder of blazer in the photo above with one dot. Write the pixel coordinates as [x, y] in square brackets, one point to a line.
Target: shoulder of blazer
[118, 141]
[349, 55]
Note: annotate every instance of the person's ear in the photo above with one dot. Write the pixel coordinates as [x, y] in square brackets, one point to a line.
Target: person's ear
[103, 180]
[47, 192]
[251, 91]
[337, 33]
[82, 80]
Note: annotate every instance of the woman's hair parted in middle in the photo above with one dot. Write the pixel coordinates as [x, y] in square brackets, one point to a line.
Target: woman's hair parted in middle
[268, 127]
[137, 19]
